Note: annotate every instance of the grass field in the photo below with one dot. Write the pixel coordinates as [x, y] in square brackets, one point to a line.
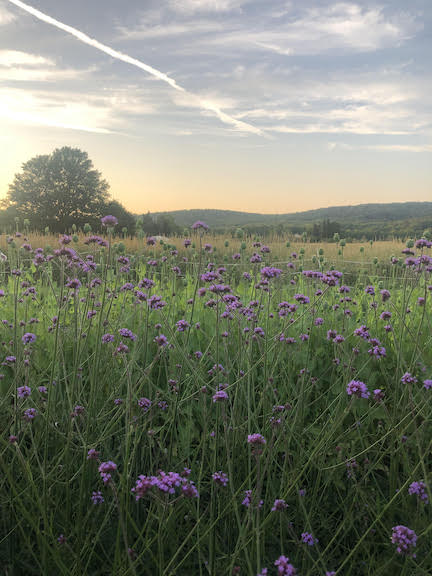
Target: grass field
[219, 408]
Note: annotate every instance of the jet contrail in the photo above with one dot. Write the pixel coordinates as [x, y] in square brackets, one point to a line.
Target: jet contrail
[205, 105]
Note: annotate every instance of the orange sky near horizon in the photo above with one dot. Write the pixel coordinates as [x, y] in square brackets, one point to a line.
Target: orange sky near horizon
[232, 176]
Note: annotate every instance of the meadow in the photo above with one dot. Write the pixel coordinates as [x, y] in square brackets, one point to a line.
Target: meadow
[210, 406]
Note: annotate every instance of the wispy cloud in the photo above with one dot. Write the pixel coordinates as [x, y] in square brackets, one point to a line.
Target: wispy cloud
[5, 15]
[194, 6]
[11, 58]
[86, 112]
[342, 25]
[209, 106]
[23, 107]
[401, 147]
[346, 103]
[167, 30]
[416, 148]
[17, 66]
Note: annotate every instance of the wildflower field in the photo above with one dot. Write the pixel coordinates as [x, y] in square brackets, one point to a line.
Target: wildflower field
[175, 409]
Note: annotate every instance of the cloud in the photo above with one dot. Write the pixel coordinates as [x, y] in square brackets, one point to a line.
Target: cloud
[145, 30]
[401, 147]
[11, 58]
[84, 112]
[324, 29]
[348, 102]
[17, 66]
[5, 16]
[194, 6]
[416, 148]
[52, 110]
[209, 106]
[42, 74]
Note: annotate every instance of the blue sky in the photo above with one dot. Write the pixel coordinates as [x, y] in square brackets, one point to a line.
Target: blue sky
[257, 105]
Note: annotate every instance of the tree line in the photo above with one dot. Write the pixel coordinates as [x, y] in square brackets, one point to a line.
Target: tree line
[62, 191]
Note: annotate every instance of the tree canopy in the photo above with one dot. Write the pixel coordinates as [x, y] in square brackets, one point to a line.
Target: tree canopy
[58, 190]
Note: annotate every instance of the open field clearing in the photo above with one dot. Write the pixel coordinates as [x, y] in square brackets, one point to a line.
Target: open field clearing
[215, 406]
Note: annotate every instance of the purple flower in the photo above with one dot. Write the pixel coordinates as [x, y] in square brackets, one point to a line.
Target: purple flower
[405, 540]
[145, 404]
[78, 411]
[357, 388]
[126, 333]
[386, 315]
[199, 224]
[256, 439]
[23, 391]
[73, 283]
[284, 567]
[378, 395]
[109, 221]
[331, 334]
[97, 497]
[301, 298]
[30, 414]
[247, 502]
[93, 454]
[189, 490]
[28, 338]
[220, 396]
[279, 505]
[270, 272]
[408, 378]
[105, 468]
[378, 352]
[161, 340]
[427, 384]
[182, 325]
[143, 485]
[166, 482]
[308, 539]
[220, 478]
[419, 488]
[363, 332]
[107, 338]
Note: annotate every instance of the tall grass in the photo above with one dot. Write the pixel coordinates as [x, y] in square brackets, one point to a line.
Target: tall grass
[234, 361]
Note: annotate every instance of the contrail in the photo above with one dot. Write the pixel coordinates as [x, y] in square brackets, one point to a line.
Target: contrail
[205, 105]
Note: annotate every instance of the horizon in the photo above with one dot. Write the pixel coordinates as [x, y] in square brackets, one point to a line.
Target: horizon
[264, 107]
[332, 206]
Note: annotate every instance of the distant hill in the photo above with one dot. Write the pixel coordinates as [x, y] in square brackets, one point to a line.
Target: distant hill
[363, 213]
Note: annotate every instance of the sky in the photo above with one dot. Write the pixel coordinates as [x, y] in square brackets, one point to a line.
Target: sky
[268, 106]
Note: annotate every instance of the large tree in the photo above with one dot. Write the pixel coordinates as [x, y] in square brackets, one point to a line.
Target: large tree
[58, 190]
